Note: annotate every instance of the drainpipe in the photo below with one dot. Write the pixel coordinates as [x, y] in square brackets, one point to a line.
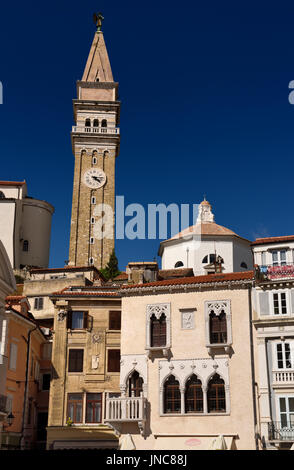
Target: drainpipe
[28, 341]
[252, 368]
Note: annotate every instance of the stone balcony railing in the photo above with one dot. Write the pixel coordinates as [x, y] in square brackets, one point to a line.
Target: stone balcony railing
[126, 409]
[283, 377]
[274, 272]
[95, 130]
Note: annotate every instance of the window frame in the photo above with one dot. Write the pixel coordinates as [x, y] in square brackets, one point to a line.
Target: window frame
[75, 403]
[86, 317]
[100, 401]
[175, 391]
[109, 360]
[74, 360]
[280, 307]
[217, 306]
[115, 321]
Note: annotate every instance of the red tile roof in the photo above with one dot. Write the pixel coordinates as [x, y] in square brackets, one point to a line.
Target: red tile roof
[262, 241]
[12, 183]
[83, 293]
[208, 278]
[65, 268]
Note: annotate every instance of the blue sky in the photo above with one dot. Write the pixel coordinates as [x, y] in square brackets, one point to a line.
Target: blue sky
[205, 110]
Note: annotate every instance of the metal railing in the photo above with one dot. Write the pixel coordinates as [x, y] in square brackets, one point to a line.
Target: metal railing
[96, 130]
[281, 431]
[125, 409]
[275, 271]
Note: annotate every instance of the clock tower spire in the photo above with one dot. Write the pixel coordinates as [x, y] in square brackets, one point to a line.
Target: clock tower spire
[95, 143]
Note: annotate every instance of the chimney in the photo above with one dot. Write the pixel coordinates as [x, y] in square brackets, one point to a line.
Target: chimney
[142, 272]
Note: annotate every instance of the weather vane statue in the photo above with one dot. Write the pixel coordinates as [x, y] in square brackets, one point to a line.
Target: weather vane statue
[98, 18]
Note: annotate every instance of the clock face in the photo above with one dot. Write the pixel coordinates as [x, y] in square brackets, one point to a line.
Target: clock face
[94, 178]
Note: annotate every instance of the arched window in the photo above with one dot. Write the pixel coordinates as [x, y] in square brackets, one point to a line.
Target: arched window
[95, 123]
[193, 395]
[2, 195]
[104, 123]
[218, 328]
[25, 245]
[135, 385]
[209, 259]
[216, 396]
[179, 264]
[172, 396]
[158, 331]
[244, 265]
[88, 123]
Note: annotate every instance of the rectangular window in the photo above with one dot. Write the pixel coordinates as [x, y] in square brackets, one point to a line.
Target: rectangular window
[77, 320]
[46, 381]
[39, 302]
[113, 360]
[93, 407]
[13, 356]
[280, 303]
[75, 360]
[287, 414]
[114, 320]
[279, 257]
[75, 407]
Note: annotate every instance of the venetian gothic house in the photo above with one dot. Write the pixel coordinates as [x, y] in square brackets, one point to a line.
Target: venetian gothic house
[206, 247]
[186, 356]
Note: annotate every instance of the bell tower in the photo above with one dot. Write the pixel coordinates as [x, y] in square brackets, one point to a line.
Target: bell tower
[95, 143]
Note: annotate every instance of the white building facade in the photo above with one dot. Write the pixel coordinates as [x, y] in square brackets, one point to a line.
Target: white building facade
[273, 324]
[25, 226]
[206, 247]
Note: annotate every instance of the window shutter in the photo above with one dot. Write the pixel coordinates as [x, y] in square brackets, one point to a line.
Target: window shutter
[264, 303]
[85, 324]
[36, 303]
[89, 322]
[292, 301]
[41, 303]
[13, 356]
[68, 319]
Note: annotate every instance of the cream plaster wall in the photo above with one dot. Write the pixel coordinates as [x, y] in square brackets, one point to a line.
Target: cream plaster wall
[190, 344]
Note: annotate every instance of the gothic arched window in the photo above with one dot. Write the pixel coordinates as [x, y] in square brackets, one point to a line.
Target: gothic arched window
[216, 396]
[158, 330]
[95, 123]
[193, 395]
[88, 123]
[172, 395]
[243, 265]
[104, 123]
[2, 195]
[135, 384]
[218, 328]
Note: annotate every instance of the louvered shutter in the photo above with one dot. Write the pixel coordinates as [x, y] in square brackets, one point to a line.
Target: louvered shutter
[292, 301]
[264, 303]
[85, 324]
[89, 322]
[69, 319]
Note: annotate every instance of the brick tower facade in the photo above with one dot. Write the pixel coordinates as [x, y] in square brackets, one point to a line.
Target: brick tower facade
[95, 143]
